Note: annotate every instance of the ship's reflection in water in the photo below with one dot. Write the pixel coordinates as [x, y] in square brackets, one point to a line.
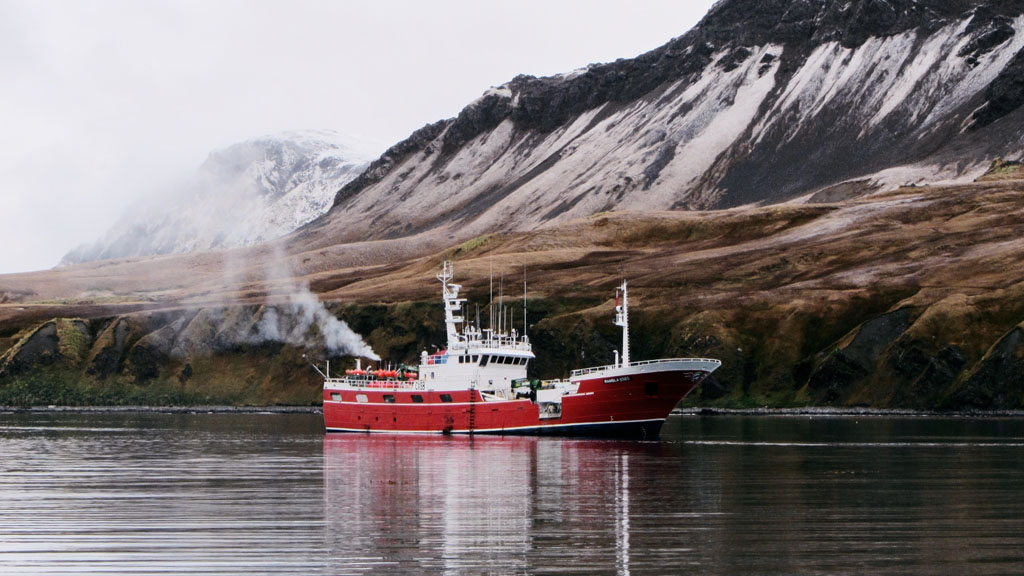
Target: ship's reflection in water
[719, 495]
[457, 504]
[272, 494]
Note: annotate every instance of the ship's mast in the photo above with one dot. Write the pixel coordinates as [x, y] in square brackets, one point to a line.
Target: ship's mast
[452, 303]
[622, 319]
[524, 300]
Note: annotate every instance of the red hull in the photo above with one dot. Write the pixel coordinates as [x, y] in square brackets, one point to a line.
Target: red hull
[626, 405]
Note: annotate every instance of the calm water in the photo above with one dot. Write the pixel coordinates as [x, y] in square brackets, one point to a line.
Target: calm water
[255, 494]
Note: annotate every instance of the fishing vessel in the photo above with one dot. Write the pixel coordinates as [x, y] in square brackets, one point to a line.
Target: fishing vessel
[478, 385]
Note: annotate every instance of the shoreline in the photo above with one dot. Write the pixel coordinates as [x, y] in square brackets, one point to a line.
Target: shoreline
[162, 409]
[848, 412]
[804, 411]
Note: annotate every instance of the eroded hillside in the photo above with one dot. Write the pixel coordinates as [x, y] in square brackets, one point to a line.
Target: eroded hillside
[909, 298]
[762, 102]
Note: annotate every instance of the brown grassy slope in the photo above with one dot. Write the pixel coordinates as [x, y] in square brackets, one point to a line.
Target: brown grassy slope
[793, 298]
[775, 291]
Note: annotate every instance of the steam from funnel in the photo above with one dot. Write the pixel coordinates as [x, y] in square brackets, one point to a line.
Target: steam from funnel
[302, 320]
[338, 337]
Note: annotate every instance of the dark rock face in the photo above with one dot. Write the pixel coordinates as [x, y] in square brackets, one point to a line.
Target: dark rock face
[41, 348]
[923, 374]
[845, 367]
[419, 140]
[153, 352]
[474, 120]
[61, 341]
[803, 22]
[107, 359]
[992, 29]
[835, 377]
[999, 380]
[145, 361]
[1004, 95]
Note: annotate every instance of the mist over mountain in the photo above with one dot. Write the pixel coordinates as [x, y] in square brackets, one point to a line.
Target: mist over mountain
[763, 102]
[244, 194]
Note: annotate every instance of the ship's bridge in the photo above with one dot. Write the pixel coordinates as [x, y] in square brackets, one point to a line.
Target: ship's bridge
[474, 340]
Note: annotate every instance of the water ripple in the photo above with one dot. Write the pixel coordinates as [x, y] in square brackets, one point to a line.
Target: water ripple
[271, 494]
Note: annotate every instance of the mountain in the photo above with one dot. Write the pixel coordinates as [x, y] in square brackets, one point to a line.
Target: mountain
[864, 247]
[764, 101]
[909, 299]
[244, 194]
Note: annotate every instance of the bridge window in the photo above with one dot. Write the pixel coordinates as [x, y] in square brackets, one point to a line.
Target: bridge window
[483, 360]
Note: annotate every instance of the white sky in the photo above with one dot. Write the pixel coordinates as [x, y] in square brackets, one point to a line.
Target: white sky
[104, 102]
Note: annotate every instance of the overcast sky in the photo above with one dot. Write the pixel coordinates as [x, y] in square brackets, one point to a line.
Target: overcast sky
[104, 102]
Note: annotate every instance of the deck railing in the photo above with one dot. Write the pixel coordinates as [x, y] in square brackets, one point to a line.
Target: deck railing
[370, 383]
[582, 371]
[497, 342]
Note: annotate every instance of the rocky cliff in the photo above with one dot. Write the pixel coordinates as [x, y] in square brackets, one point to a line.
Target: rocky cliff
[764, 101]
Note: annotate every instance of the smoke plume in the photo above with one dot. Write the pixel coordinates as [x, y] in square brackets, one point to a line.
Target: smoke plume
[293, 314]
[304, 321]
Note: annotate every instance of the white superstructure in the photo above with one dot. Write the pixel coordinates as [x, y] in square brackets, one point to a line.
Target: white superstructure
[484, 359]
[478, 384]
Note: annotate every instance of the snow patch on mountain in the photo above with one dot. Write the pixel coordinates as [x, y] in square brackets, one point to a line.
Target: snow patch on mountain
[763, 102]
[244, 194]
[924, 79]
[725, 121]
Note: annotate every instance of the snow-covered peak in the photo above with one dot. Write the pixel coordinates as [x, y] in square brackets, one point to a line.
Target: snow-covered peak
[243, 194]
[327, 143]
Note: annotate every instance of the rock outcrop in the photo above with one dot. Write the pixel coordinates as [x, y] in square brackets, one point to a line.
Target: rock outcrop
[762, 102]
